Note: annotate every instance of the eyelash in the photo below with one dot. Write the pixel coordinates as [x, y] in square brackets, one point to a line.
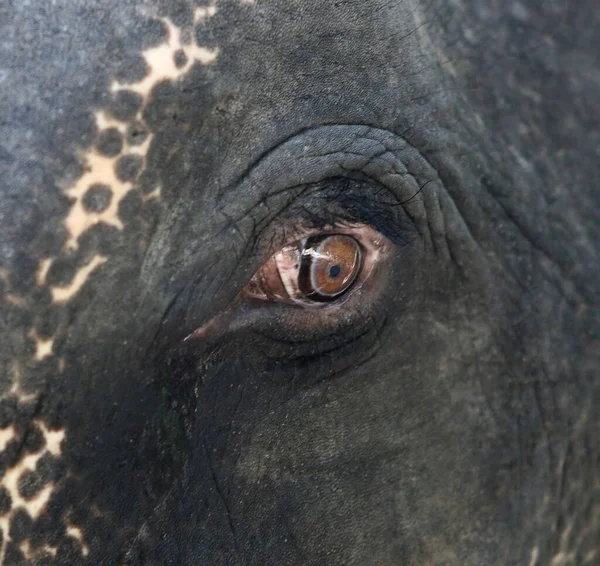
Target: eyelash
[340, 202]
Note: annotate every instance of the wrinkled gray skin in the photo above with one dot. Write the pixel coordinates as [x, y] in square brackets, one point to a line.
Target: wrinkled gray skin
[451, 415]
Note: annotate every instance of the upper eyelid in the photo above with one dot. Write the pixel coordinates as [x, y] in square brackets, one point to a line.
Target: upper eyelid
[305, 189]
[379, 156]
[305, 222]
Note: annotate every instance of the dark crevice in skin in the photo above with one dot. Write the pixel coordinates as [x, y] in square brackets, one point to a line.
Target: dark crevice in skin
[226, 190]
[546, 422]
[221, 497]
[303, 358]
[359, 131]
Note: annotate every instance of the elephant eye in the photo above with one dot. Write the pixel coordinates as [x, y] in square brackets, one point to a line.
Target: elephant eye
[319, 268]
[343, 266]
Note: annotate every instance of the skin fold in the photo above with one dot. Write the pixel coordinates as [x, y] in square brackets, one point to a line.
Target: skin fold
[154, 154]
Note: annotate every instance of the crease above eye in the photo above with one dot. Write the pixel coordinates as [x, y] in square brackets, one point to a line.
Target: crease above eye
[319, 268]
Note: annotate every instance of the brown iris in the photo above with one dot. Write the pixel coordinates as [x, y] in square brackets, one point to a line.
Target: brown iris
[329, 266]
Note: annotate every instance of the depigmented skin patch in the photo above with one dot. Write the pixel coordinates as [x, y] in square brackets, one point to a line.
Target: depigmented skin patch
[590, 557]
[111, 168]
[42, 272]
[64, 294]
[6, 435]
[101, 168]
[43, 347]
[27, 463]
[16, 375]
[76, 533]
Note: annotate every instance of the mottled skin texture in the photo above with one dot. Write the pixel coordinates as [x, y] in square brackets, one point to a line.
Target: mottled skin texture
[458, 425]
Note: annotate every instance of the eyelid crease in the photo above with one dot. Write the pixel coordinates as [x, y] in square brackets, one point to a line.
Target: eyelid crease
[334, 204]
[314, 153]
[380, 158]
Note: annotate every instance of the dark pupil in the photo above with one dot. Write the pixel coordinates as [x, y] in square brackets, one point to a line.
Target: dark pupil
[334, 271]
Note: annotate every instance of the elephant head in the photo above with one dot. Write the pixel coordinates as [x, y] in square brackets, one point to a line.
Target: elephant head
[299, 282]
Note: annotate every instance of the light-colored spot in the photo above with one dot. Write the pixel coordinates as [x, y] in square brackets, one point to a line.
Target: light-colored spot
[534, 556]
[42, 271]
[53, 438]
[141, 149]
[565, 536]
[4, 526]
[105, 121]
[560, 559]
[30, 554]
[155, 194]
[14, 300]
[64, 294]
[25, 548]
[590, 557]
[75, 532]
[20, 394]
[43, 347]
[6, 435]
[204, 12]
[51, 550]
[96, 511]
[16, 374]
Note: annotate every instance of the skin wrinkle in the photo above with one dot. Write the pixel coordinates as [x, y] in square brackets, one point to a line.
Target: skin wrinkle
[558, 281]
[222, 498]
[361, 130]
[370, 352]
